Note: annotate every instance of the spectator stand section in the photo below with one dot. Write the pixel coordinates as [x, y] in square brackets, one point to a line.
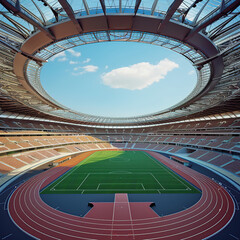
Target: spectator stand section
[214, 126]
[60, 160]
[215, 142]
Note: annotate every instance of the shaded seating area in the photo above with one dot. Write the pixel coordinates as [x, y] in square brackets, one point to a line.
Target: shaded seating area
[24, 142]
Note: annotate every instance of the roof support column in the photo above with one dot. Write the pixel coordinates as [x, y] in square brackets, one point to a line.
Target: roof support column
[120, 6]
[102, 2]
[68, 9]
[223, 10]
[86, 6]
[154, 6]
[137, 4]
[18, 11]
[171, 10]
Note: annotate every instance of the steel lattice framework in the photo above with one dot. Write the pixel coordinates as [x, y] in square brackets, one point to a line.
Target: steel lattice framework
[207, 32]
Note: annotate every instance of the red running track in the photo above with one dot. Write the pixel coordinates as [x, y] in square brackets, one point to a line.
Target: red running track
[209, 215]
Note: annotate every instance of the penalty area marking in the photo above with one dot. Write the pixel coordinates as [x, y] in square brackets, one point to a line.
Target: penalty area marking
[68, 173]
[115, 184]
[165, 168]
[117, 160]
[148, 189]
[130, 189]
[83, 181]
[158, 182]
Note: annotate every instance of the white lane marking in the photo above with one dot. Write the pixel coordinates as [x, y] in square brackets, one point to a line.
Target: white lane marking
[7, 236]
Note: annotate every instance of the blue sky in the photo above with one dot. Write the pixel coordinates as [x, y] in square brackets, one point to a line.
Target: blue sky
[118, 79]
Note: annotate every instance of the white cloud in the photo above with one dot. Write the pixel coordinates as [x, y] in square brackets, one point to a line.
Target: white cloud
[74, 53]
[87, 60]
[138, 76]
[73, 62]
[85, 69]
[58, 55]
[62, 56]
[192, 72]
[90, 68]
[77, 73]
[76, 68]
[106, 67]
[63, 59]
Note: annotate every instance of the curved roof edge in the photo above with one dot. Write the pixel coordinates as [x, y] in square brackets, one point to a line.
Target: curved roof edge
[198, 43]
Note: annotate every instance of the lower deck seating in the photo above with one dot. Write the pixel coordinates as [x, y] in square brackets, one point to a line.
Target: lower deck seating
[15, 161]
[24, 150]
[236, 148]
[119, 145]
[5, 168]
[210, 155]
[221, 160]
[141, 145]
[129, 145]
[12, 162]
[176, 149]
[198, 153]
[233, 166]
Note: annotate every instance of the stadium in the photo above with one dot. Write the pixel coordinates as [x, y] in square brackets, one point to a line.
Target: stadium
[172, 174]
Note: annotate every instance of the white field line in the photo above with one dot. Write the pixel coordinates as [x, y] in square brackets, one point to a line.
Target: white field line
[169, 172]
[158, 182]
[119, 159]
[139, 173]
[82, 181]
[129, 189]
[114, 173]
[69, 173]
[120, 183]
[91, 190]
[98, 187]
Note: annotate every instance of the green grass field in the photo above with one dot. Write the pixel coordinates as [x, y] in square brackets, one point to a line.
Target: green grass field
[120, 172]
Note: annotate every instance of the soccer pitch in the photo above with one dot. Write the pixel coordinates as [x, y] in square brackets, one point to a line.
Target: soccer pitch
[120, 172]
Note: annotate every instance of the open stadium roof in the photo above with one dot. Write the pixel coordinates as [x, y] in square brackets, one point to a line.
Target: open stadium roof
[207, 32]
